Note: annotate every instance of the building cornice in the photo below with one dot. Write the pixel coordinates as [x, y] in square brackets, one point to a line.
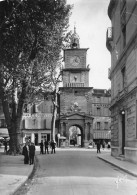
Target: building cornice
[76, 69]
[76, 49]
[112, 5]
[78, 88]
[118, 99]
[82, 114]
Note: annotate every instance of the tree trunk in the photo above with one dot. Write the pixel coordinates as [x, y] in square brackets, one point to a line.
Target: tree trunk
[13, 119]
[15, 142]
[54, 118]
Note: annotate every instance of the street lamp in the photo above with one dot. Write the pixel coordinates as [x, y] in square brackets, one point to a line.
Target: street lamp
[123, 112]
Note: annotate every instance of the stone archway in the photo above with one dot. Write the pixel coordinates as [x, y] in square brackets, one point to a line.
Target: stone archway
[79, 133]
[75, 135]
[84, 123]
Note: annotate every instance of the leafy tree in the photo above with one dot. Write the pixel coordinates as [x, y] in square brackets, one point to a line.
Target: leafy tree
[32, 34]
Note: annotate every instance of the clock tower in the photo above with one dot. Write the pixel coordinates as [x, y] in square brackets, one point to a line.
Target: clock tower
[76, 95]
[76, 71]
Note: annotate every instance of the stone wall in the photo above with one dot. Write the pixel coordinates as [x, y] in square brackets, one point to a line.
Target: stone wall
[78, 98]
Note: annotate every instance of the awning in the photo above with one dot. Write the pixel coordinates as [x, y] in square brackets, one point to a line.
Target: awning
[102, 135]
[62, 137]
[4, 132]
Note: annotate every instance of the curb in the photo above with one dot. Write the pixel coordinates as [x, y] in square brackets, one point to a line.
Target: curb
[125, 170]
[28, 177]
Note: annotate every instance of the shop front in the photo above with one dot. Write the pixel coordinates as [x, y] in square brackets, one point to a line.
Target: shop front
[102, 136]
[36, 136]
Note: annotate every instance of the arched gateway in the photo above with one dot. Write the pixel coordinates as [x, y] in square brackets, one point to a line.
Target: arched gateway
[75, 101]
[84, 123]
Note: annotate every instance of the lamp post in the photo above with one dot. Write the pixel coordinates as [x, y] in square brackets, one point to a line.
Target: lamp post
[58, 138]
[123, 130]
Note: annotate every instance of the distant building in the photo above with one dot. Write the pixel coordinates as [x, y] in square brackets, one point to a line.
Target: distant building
[36, 121]
[122, 44]
[101, 99]
[3, 126]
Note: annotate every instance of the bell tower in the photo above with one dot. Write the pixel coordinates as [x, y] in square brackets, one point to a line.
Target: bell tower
[76, 95]
[76, 71]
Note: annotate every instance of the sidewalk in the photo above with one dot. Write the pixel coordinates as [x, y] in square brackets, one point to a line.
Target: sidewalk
[13, 173]
[126, 166]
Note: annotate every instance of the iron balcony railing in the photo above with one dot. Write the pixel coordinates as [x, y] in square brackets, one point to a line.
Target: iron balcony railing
[75, 85]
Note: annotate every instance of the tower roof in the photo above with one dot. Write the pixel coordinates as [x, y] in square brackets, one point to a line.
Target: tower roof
[75, 40]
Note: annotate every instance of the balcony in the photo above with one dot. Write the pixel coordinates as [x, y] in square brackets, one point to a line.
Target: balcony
[75, 85]
[109, 38]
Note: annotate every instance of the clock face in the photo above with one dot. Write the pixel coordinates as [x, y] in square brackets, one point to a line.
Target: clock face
[75, 60]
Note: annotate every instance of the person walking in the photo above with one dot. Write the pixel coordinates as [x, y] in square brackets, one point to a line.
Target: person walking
[41, 147]
[25, 153]
[103, 144]
[98, 147]
[108, 145]
[31, 153]
[5, 147]
[52, 144]
[46, 146]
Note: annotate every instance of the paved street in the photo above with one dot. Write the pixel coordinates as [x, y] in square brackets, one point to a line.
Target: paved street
[79, 172]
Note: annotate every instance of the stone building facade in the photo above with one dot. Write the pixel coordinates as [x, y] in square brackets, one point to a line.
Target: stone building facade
[122, 44]
[36, 121]
[101, 99]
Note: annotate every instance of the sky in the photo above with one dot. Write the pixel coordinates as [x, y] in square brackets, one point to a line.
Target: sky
[91, 20]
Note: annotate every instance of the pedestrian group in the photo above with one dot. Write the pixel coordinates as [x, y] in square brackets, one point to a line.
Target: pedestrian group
[29, 153]
[29, 150]
[47, 145]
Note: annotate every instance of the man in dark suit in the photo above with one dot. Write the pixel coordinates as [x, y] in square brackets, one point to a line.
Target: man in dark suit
[53, 146]
[46, 146]
[98, 147]
[5, 144]
[41, 147]
[31, 153]
[25, 153]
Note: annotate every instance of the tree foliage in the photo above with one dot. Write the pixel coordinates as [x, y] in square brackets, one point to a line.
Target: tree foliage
[32, 34]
